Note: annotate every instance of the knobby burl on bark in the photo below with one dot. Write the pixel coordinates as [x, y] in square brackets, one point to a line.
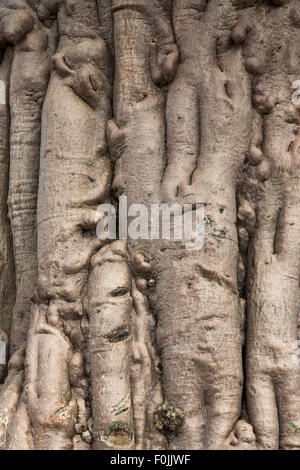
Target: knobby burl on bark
[144, 344]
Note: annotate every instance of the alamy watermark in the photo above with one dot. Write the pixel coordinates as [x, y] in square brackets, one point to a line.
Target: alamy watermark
[159, 221]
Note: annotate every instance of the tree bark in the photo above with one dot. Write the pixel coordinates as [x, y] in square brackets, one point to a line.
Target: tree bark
[144, 343]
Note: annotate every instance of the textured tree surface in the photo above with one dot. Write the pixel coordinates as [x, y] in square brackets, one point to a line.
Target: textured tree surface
[143, 344]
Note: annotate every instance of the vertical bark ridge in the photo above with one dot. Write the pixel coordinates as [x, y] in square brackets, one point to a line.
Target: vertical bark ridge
[109, 310]
[268, 212]
[27, 87]
[7, 277]
[142, 344]
[136, 138]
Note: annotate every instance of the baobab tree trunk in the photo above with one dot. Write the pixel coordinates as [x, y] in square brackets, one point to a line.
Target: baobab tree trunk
[140, 342]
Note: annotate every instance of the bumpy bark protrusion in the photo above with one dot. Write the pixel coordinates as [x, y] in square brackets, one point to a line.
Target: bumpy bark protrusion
[242, 437]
